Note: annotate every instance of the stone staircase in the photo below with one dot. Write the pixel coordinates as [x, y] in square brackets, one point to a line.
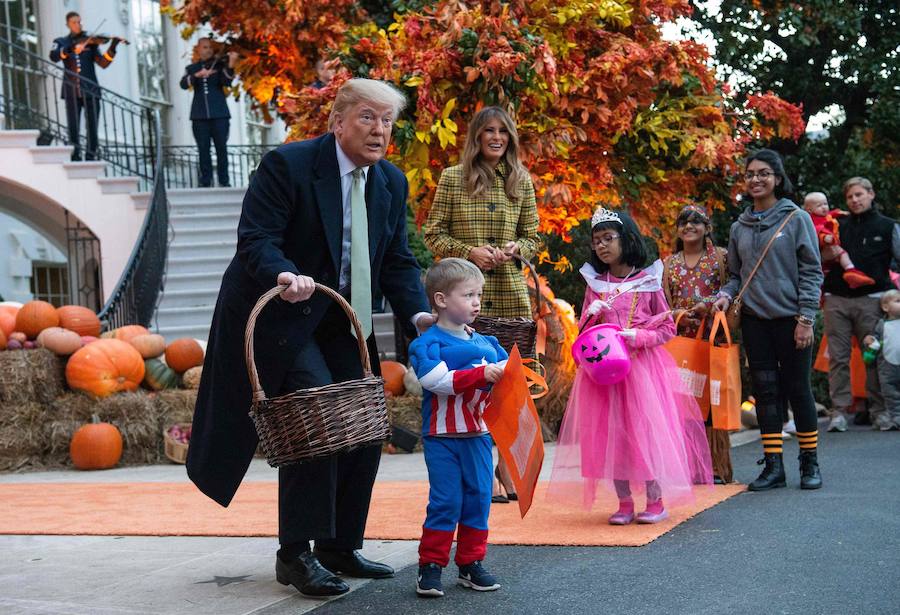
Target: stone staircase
[204, 236]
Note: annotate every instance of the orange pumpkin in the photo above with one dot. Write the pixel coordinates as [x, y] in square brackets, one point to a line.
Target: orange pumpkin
[34, 317]
[393, 373]
[79, 319]
[126, 333]
[8, 320]
[183, 354]
[96, 446]
[105, 367]
[59, 341]
[150, 346]
[2, 340]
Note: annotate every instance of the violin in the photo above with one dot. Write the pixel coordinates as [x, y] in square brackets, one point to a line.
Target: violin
[97, 39]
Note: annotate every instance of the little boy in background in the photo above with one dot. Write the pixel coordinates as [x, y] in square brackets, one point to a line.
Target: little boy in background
[885, 341]
[456, 368]
[826, 223]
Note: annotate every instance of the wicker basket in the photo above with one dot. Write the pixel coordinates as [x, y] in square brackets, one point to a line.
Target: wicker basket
[175, 450]
[321, 421]
[511, 331]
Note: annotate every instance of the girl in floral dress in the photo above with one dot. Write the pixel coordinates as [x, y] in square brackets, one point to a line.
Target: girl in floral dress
[692, 278]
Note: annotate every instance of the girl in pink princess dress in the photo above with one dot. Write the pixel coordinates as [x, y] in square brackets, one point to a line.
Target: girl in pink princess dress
[642, 433]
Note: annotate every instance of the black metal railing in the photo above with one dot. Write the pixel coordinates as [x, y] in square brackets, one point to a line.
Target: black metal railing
[31, 98]
[182, 163]
[130, 145]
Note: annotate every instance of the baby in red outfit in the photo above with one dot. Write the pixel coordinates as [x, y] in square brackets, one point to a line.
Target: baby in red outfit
[826, 223]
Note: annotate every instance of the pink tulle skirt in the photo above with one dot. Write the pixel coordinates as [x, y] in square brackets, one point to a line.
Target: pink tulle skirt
[641, 429]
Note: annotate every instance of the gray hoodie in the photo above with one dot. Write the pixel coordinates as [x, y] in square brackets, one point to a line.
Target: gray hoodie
[789, 280]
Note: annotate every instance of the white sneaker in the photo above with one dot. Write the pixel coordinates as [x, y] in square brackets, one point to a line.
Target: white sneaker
[838, 423]
[790, 428]
[883, 423]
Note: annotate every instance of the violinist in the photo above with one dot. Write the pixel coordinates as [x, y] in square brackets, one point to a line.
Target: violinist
[78, 53]
[209, 111]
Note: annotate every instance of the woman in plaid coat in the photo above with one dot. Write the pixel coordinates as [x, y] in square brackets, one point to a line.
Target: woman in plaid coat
[484, 211]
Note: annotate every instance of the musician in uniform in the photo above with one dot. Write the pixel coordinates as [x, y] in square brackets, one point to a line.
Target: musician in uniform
[79, 52]
[209, 111]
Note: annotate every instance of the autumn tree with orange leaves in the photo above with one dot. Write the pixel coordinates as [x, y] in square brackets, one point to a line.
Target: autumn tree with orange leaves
[608, 111]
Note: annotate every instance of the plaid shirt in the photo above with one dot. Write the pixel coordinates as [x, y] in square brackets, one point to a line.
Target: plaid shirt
[458, 222]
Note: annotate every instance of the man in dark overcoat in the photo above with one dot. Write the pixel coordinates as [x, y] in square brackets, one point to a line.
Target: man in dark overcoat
[297, 228]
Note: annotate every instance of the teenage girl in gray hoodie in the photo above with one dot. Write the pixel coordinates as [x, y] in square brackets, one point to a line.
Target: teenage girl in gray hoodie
[779, 309]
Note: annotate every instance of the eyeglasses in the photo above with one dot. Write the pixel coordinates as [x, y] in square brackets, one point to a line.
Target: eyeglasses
[762, 175]
[604, 240]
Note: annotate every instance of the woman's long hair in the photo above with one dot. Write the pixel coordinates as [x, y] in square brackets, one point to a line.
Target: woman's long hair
[478, 176]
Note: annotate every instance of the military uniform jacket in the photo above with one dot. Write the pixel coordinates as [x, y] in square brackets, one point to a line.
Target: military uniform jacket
[457, 223]
[80, 78]
[209, 94]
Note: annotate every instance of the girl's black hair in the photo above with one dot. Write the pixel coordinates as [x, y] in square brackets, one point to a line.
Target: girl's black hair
[773, 159]
[634, 253]
[685, 216]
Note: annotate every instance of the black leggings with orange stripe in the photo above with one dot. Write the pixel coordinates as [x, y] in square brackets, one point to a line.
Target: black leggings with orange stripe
[779, 369]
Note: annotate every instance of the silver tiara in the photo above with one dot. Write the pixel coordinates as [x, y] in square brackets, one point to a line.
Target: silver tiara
[604, 215]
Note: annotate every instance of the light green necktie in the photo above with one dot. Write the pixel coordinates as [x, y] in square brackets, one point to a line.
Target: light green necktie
[360, 267]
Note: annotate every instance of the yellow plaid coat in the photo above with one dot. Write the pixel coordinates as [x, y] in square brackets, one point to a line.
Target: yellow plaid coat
[457, 223]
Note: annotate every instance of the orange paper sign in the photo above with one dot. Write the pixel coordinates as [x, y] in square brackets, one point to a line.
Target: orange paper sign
[516, 428]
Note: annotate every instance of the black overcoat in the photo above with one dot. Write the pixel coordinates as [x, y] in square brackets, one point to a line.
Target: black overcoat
[291, 220]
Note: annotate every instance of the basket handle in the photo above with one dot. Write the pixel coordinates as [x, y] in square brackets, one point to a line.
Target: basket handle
[258, 393]
[537, 281]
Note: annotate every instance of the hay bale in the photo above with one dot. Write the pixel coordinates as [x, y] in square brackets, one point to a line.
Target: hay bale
[406, 411]
[134, 414]
[22, 443]
[175, 406]
[31, 376]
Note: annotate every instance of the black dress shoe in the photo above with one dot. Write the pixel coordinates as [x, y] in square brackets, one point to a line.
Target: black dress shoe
[353, 564]
[308, 576]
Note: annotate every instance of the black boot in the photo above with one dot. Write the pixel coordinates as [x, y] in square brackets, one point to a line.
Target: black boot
[772, 475]
[809, 470]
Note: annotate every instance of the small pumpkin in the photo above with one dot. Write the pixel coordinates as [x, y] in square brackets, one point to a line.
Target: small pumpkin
[87, 339]
[105, 367]
[393, 373]
[183, 354]
[125, 333]
[2, 339]
[59, 341]
[34, 317]
[96, 446]
[81, 320]
[191, 378]
[150, 346]
[18, 336]
[159, 376]
[8, 321]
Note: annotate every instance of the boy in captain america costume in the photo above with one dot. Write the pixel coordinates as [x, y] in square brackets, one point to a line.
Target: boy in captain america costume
[456, 368]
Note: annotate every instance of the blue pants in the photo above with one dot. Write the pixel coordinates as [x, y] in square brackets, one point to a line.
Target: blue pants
[217, 132]
[459, 476]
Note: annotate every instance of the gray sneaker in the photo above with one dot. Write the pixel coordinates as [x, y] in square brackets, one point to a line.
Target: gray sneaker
[883, 422]
[838, 423]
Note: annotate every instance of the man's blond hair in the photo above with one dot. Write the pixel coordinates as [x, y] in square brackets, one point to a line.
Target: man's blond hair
[858, 181]
[445, 274]
[355, 91]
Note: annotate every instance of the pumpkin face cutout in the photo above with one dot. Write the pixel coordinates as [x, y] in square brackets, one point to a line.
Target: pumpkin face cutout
[602, 354]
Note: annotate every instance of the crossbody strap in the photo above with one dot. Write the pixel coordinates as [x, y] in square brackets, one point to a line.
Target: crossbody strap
[763, 255]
